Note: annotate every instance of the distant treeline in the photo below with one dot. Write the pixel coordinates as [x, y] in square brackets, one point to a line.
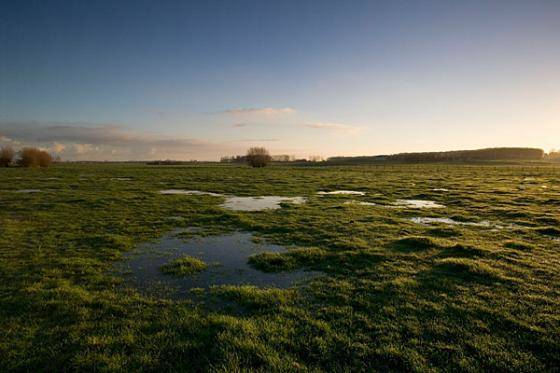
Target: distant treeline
[274, 158]
[553, 155]
[169, 162]
[489, 154]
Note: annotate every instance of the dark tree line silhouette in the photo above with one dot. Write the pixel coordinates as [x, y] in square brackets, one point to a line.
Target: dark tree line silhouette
[489, 154]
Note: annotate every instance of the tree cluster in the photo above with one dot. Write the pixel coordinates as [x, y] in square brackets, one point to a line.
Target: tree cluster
[489, 154]
[26, 157]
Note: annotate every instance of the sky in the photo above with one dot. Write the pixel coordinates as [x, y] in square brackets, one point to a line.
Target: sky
[140, 80]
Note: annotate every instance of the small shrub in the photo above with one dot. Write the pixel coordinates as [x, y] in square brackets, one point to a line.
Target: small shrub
[258, 157]
[184, 266]
[33, 157]
[7, 155]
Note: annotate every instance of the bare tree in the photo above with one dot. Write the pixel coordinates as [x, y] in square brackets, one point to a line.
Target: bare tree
[33, 157]
[258, 157]
[7, 155]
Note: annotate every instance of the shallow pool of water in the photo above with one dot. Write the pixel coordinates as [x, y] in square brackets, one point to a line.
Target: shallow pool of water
[259, 203]
[343, 192]
[417, 204]
[427, 221]
[360, 203]
[188, 192]
[28, 191]
[226, 256]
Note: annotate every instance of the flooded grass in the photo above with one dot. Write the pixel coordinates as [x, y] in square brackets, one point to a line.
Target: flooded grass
[417, 204]
[449, 221]
[184, 266]
[360, 203]
[172, 267]
[28, 191]
[188, 192]
[235, 203]
[391, 295]
[259, 203]
[341, 192]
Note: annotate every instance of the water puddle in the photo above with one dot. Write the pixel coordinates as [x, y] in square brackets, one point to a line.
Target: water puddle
[360, 203]
[241, 203]
[259, 203]
[496, 226]
[417, 204]
[122, 178]
[440, 190]
[28, 191]
[343, 192]
[449, 221]
[188, 192]
[226, 256]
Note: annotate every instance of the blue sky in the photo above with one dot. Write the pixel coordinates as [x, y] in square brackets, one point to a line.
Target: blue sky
[201, 79]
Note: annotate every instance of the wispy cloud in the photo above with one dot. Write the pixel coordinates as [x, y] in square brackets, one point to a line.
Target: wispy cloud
[269, 111]
[239, 125]
[257, 140]
[333, 127]
[92, 141]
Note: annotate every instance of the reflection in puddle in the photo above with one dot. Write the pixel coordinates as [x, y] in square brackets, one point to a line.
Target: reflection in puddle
[189, 192]
[359, 203]
[417, 204]
[423, 220]
[28, 191]
[344, 192]
[242, 203]
[226, 257]
[259, 203]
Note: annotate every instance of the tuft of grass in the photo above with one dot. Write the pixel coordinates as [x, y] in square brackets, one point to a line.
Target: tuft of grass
[290, 260]
[470, 269]
[415, 243]
[549, 231]
[518, 245]
[464, 251]
[184, 266]
[253, 297]
[444, 232]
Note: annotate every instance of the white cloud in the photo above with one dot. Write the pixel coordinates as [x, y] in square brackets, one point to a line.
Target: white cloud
[83, 148]
[58, 148]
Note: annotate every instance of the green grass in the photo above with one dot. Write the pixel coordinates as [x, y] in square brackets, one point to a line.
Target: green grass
[184, 266]
[393, 295]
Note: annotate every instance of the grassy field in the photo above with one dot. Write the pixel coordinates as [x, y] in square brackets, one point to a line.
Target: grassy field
[393, 295]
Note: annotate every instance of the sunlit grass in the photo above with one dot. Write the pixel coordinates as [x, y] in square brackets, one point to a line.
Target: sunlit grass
[393, 294]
